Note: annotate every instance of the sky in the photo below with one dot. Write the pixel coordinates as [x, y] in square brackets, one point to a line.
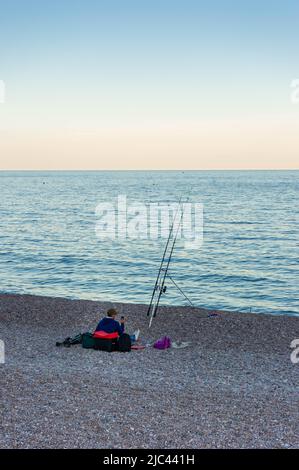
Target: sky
[159, 84]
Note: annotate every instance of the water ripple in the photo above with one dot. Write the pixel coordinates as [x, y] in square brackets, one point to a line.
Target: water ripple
[249, 259]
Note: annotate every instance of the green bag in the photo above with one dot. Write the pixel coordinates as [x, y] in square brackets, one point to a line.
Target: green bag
[88, 341]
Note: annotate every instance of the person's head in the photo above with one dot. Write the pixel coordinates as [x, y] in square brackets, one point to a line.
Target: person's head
[111, 313]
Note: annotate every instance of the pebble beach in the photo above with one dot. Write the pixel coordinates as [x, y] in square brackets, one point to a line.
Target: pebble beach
[234, 386]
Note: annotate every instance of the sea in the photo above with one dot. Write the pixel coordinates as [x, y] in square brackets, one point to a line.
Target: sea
[51, 242]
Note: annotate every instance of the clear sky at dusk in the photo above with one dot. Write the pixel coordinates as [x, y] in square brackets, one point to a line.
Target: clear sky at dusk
[149, 84]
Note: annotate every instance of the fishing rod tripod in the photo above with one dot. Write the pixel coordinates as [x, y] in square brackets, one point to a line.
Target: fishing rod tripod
[160, 287]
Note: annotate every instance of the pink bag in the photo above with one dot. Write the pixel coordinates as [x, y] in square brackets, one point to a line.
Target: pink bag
[163, 343]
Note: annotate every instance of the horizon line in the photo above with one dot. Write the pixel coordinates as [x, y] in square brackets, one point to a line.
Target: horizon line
[147, 169]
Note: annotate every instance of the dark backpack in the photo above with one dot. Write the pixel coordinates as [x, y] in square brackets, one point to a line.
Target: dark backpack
[108, 345]
[124, 343]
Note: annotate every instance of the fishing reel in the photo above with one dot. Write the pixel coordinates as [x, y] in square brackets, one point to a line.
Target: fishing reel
[161, 289]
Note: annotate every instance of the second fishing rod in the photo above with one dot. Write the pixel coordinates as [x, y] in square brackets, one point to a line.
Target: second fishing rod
[153, 307]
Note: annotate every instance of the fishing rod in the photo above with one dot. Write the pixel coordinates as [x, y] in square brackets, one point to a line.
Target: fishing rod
[162, 290]
[162, 287]
[163, 259]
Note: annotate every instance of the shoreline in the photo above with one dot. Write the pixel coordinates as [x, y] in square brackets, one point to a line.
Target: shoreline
[177, 306]
[233, 387]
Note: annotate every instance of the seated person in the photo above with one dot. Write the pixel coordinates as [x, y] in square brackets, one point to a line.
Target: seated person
[110, 325]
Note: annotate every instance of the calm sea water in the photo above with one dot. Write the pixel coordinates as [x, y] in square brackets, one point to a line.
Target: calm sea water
[249, 258]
